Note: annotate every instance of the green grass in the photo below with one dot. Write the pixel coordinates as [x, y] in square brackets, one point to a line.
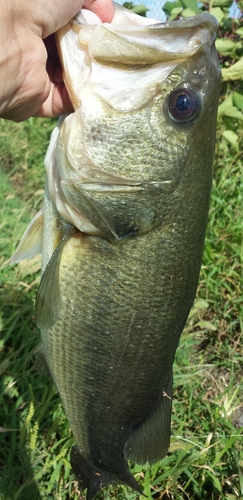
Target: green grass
[205, 461]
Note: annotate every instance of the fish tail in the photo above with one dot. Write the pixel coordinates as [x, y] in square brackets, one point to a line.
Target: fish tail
[95, 479]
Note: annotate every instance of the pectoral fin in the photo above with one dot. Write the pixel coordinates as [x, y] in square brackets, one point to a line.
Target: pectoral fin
[150, 441]
[31, 241]
[48, 301]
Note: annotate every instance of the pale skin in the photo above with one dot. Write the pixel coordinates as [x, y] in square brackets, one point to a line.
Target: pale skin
[31, 77]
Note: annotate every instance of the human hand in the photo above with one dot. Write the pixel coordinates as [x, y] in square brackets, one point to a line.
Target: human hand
[31, 75]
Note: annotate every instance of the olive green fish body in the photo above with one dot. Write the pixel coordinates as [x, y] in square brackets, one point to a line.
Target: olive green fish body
[112, 349]
[128, 187]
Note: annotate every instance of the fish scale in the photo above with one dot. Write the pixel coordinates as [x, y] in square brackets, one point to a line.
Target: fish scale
[124, 144]
[110, 294]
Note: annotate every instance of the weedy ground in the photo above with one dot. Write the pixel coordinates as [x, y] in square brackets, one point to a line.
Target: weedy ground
[205, 461]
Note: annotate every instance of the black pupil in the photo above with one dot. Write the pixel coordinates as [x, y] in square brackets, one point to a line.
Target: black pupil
[183, 102]
[184, 106]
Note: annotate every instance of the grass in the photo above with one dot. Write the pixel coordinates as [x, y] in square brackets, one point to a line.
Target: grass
[205, 461]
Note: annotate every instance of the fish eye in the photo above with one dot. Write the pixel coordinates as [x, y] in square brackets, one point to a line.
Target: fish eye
[184, 106]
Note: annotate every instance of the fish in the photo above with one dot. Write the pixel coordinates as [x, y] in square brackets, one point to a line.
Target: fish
[122, 230]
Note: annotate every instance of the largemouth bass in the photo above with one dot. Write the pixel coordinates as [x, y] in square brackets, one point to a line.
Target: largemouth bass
[122, 230]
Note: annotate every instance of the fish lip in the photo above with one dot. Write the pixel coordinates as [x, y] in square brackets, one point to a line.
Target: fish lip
[144, 45]
[189, 22]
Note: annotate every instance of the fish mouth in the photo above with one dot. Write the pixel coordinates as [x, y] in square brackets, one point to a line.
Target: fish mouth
[130, 45]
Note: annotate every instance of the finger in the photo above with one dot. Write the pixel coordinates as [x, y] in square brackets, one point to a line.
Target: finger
[57, 102]
[103, 8]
